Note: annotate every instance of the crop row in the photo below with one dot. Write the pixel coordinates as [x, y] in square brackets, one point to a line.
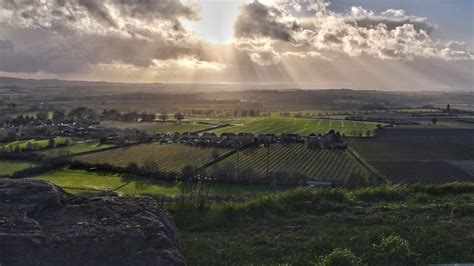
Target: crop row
[296, 158]
[412, 171]
[412, 149]
[165, 157]
[300, 126]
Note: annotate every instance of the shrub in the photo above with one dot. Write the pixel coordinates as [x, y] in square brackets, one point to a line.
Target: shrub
[394, 250]
[439, 190]
[380, 193]
[339, 257]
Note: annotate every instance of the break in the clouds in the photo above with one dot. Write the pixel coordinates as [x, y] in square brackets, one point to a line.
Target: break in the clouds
[392, 34]
[277, 41]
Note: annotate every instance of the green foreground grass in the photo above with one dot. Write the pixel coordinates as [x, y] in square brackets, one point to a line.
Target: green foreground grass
[390, 225]
[79, 181]
[8, 167]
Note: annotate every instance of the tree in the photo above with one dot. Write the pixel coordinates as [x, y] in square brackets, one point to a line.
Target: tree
[215, 155]
[163, 116]
[42, 116]
[178, 116]
[132, 168]
[58, 116]
[51, 143]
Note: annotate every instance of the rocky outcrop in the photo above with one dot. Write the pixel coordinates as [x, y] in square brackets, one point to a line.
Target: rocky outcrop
[40, 224]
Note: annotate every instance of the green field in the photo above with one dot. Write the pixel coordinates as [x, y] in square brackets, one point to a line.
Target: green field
[158, 127]
[23, 143]
[74, 149]
[8, 167]
[168, 157]
[333, 165]
[302, 126]
[79, 181]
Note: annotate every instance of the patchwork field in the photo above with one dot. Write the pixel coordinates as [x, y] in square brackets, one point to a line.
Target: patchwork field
[278, 125]
[79, 181]
[75, 149]
[168, 157]
[413, 149]
[333, 165]
[8, 167]
[427, 160]
[158, 127]
[42, 143]
[427, 172]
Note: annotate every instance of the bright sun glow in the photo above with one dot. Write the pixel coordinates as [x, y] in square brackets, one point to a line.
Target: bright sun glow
[217, 19]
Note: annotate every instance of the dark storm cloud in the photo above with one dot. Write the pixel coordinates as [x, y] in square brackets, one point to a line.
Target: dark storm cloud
[259, 20]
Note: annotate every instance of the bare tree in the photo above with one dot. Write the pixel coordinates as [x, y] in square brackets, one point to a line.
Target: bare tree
[163, 116]
[179, 116]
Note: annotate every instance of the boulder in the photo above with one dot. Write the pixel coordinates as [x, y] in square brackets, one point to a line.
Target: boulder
[41, 224]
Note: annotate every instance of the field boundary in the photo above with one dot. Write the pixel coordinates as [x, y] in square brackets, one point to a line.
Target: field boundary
[367, 164]
[206, 165]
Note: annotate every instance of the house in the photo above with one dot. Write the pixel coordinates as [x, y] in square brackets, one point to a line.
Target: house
[246, 139]
[189, 136]
[331, 140]
[208, 138]
[266, 138]
[291, 138]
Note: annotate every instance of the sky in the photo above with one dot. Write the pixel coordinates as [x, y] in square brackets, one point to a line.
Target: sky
[360, 44]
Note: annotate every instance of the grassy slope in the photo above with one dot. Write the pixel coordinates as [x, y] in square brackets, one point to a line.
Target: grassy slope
[22, 143]
[296, 226]
[76, 181]
[8, 167]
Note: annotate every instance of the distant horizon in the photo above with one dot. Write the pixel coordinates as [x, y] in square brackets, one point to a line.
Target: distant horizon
[282, 86]
[388, 45]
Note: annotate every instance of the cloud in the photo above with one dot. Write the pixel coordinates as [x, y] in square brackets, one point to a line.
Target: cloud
[390, 35]
[258, 20]
[6, 46]
[61, 36]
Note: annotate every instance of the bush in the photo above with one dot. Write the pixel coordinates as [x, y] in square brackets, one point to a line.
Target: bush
[439, 190]
[380, 193]
[394, 250]
[339, 257]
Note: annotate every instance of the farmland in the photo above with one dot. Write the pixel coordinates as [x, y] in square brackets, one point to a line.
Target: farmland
[333, 165]
[74, 149]
[79, 181]
[158, 127]
[168, 158]
[427, 172]
[302, 126]
[41, 143]
[412, 149]
[8, 167]
[410, 160]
